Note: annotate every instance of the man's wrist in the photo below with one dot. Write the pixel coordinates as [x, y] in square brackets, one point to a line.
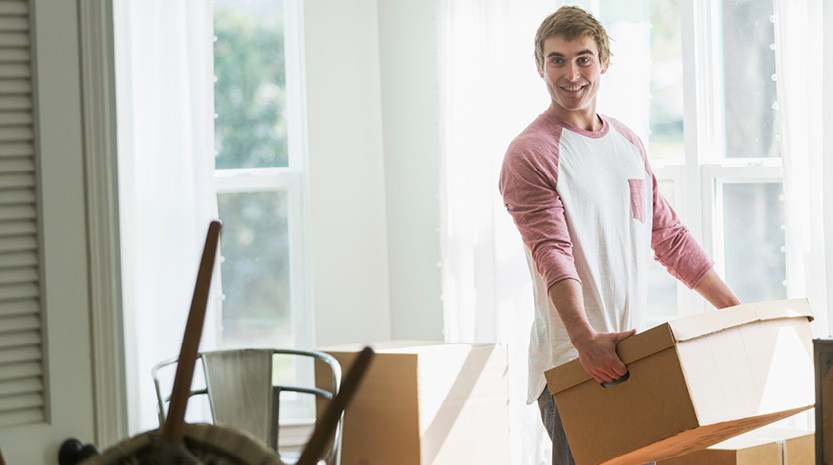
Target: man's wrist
[581, 336]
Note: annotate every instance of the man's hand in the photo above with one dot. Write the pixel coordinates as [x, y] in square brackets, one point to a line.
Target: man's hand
[596, 351]
[597, 354]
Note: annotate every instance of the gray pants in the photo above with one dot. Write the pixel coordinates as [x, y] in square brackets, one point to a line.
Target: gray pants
[561, 454]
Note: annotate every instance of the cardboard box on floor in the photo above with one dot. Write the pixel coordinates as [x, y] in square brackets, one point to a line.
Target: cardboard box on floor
[427, 403]
[758, 447]
[693, 382]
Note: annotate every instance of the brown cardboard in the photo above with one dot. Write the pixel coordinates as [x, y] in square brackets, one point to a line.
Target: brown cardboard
[758, 447]
[693, 382]
[426, 403]
[823, 348]
[826, 440]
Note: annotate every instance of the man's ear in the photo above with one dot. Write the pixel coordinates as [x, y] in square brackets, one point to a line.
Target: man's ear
[540, 71]
[606, 65]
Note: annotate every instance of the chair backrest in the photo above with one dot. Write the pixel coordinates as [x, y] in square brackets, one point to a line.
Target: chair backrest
[241, 392]
[239, 384]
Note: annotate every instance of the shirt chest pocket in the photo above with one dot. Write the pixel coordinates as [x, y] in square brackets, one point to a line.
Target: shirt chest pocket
[637, 190]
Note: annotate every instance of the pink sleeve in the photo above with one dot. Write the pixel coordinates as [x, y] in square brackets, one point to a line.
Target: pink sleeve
[528, 185]
[671, 241]
[673, 244]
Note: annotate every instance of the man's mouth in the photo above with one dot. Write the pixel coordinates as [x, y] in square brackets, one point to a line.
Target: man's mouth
[572, 88]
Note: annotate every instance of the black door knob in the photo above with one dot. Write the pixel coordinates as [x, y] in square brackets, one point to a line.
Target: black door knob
[72, 451]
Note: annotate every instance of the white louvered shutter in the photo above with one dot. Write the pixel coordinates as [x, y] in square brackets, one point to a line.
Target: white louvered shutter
[21, 340]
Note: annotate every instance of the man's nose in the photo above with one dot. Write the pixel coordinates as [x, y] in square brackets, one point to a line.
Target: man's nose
[572, 72]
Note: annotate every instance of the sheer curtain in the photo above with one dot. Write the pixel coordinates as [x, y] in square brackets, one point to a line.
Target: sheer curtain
[164, 89]
[490, 91]
[798, 35]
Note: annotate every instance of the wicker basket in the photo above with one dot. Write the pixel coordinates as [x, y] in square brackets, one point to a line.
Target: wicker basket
[211, 444]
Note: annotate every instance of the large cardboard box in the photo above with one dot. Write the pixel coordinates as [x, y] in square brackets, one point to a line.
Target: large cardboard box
[425, 403]
[758, 447]
[692, 383]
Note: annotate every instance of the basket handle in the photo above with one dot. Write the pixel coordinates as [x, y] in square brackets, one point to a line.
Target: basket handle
[173, 429]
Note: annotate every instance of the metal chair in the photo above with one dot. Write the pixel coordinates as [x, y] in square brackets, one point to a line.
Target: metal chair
[241, 393]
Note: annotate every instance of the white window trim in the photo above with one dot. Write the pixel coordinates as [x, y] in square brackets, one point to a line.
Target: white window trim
[714, 177]
[98, 80]
[289, 181]
[705, 168]
[299, 158]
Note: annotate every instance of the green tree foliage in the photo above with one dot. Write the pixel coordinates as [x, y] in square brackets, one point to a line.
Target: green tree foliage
[250, 132]
[250, 92]
[256, 275]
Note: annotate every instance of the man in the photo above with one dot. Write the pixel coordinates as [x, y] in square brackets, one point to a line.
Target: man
[581, 192]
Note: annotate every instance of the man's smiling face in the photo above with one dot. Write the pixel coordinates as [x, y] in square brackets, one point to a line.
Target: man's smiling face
[572, 71]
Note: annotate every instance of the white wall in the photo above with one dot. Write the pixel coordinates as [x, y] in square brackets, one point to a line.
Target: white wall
[410, 110]
[827, 144]
[347, 186]
[371, 70]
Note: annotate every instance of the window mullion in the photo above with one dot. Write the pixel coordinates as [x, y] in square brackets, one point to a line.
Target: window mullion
[253, 180]
[711, 198]
[704, 127]
[764, 169]
[303, 323]
[695, 25]
[295, 84]
[705, 56]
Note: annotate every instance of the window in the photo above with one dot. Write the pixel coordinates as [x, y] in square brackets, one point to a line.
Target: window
[260, 175]
[180, 167]
[260, 181]
[696, 81]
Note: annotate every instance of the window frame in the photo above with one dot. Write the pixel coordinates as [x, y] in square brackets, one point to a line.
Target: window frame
[294, 181]
[698, 179]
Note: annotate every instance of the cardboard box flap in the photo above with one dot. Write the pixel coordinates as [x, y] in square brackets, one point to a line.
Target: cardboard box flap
[760, 436]
[793, 308]
[630, 350]
[663, 336]
[692, 327]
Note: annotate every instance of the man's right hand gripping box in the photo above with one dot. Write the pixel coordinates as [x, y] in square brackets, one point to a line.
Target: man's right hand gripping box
[692, 383]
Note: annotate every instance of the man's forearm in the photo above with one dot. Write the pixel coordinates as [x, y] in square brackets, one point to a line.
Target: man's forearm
[568, 301]
[596, 351]
[713, 289]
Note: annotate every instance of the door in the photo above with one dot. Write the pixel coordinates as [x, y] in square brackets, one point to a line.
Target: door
[45, 350]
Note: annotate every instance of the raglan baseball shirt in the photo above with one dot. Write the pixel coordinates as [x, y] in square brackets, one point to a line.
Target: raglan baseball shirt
[588, 208]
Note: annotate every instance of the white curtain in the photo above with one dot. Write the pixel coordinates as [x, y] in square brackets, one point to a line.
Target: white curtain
[164, 84]
[798, 36]
[490, 91]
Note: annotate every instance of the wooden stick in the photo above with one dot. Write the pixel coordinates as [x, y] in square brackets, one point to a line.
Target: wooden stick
[172, 430]
[325, 427]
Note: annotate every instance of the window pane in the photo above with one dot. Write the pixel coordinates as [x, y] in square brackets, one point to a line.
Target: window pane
[644, 85]
[749, 79]
[753, 218]
[666, 112]
[250, 92]
[662, 287]
[255, 270]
